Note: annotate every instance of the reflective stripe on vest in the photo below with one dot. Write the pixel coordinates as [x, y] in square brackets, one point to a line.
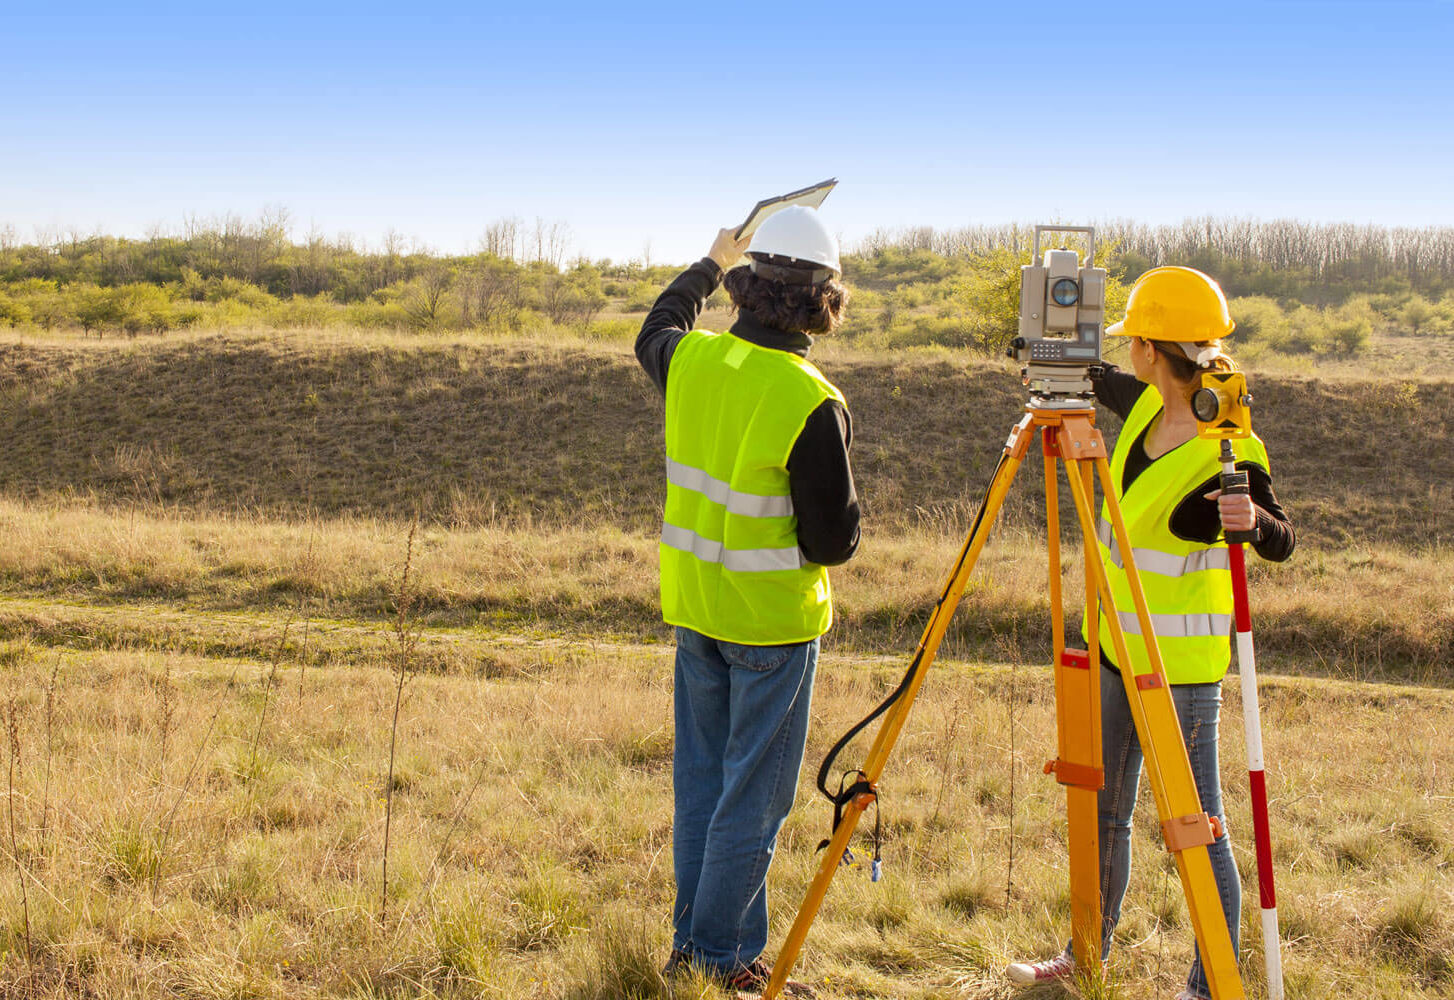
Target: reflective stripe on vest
[1177, 626]
[737, 560]
[745, 504]
[1163, 563]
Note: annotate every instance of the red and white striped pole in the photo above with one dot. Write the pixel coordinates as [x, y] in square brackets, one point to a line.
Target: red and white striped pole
[1236, 482]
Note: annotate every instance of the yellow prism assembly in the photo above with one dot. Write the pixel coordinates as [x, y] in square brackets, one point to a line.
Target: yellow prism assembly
[1222, 406]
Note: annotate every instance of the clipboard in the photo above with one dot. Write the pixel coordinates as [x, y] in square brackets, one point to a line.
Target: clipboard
[810, 197]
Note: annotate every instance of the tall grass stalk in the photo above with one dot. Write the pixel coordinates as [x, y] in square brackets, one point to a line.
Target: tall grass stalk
[166, 714]
[405, 636]
[1010, 648]
[166, 831]
[12, 731]
[50, 714]
[305, 606]
[951, 748]
[440, 855]
[268, 681]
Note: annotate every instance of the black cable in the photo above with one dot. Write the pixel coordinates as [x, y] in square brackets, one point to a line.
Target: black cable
[843, 794]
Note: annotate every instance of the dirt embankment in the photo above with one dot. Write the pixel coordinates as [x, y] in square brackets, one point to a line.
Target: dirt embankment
[535, 433]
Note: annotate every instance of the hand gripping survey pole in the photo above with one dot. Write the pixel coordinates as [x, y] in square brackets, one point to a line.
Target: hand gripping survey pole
[1221, 407]
[1069, 435]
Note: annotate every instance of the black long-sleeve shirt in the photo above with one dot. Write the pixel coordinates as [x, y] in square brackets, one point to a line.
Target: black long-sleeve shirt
[1196, 518]
[820, 477]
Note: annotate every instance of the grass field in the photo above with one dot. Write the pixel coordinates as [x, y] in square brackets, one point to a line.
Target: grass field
[212, 827]
[199, 625]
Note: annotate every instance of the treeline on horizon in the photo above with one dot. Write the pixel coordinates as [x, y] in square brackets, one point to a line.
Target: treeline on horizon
[1310, 287]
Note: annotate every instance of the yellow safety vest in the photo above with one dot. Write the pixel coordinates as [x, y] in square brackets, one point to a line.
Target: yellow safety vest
[730, 563]
[1188, 585]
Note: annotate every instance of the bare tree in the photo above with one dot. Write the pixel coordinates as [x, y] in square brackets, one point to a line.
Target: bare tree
[393, 244]
[549, 242]
[491, 291]
[502, 239]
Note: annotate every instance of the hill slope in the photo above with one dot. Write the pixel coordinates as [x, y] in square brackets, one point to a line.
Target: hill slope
[525, 432]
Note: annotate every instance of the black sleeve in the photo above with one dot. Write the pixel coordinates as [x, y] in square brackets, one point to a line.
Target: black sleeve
[675, 312]
[1116, 390]
[1196, 519]
[821, 482]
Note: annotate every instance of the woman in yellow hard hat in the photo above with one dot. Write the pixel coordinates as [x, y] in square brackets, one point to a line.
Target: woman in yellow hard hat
[1166, 479]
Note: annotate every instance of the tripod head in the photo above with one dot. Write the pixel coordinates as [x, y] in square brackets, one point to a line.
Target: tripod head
[1062, 316]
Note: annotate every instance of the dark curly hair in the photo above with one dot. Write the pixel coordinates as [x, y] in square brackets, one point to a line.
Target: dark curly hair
[777, 304]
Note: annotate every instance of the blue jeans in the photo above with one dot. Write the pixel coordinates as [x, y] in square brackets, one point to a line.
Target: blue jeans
[741, 725]
[1198, 708]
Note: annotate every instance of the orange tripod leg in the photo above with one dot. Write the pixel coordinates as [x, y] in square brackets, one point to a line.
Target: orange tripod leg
[1078, 741]
[1185, 827]
[894, 720]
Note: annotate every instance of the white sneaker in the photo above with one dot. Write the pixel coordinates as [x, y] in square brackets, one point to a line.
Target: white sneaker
[1058, 967]
[1188, 995]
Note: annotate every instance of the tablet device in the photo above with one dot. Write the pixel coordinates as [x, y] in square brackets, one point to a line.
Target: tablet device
[811, 197]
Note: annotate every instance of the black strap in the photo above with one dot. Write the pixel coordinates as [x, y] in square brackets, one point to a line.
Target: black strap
[797, 273]
[844, 795]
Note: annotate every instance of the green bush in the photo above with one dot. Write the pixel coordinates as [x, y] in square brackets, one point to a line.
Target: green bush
[1258, 318]
[1349, 327]
[13, 312]
[641, 295]
[623, 330]
[144, 309]
[1418, 315]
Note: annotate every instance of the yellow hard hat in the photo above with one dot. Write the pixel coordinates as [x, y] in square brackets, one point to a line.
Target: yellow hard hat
[1178, 304]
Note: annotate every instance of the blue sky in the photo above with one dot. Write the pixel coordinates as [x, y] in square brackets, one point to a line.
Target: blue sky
[653, 124]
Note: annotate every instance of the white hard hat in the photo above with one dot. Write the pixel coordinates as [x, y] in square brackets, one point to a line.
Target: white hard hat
[798, 233]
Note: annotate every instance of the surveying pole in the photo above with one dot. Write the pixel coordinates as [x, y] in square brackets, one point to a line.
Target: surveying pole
[1222, 408]
[1067, 428]
[1256, 774]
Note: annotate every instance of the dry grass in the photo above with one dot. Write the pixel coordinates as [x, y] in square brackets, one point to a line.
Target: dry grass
[554, 880]
[184, 828]
[472, 431]
[77, 574]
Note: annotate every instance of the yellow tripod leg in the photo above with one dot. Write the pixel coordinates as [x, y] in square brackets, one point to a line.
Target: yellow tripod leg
[893, 723]
[1185, 826]
[1078, 741]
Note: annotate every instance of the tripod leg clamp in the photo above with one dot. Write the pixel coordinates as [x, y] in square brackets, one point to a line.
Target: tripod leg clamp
[1077, 775]
[1196, 830]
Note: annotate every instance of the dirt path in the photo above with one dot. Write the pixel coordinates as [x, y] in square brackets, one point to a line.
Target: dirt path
[257, 634]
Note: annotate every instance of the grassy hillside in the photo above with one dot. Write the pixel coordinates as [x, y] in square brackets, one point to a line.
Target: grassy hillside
[470, 432]
[271, 476]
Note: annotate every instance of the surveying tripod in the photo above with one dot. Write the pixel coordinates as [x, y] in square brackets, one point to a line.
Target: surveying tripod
[1067, 430]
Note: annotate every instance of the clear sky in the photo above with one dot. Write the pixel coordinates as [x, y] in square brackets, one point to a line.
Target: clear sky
[654, 124]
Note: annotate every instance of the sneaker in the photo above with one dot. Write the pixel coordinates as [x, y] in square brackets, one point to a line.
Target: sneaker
[676, 963]
[1051, 969]
[1188, 995]
[754, 979]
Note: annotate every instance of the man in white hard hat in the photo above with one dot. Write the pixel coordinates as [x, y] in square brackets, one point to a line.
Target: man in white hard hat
[760, 500]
